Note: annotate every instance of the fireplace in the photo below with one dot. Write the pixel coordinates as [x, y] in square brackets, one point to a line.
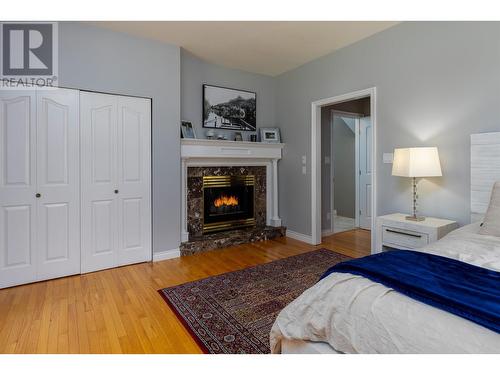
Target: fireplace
[229, 194]
[228, 202]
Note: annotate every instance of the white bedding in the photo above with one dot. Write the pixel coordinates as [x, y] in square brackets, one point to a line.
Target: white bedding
[356, 315]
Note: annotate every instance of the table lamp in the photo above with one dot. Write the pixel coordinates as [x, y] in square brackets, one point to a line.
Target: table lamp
[416, 162]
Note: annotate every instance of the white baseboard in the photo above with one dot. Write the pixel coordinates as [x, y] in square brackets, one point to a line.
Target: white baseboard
[327, 232]
[167, 254]
[299, 236]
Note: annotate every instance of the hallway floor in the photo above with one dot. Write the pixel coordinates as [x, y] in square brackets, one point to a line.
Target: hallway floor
[342, 223]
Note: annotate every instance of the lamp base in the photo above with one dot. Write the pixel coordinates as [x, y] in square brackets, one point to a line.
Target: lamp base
[415, 218]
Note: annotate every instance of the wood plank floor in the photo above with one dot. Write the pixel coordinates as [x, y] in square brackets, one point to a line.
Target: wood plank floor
[120, 310]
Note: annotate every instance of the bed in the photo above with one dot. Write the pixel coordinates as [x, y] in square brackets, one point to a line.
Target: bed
[345, 313]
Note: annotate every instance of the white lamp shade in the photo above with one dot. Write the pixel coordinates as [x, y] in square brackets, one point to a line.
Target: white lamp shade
[416, 162]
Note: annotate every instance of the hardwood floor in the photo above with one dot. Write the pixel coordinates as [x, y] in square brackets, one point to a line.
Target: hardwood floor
[120, 310]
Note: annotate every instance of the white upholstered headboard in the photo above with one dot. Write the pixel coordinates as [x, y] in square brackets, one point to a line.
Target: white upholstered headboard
[484, 171]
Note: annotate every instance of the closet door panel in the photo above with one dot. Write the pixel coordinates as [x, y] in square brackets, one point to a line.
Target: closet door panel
[58, 183]
[134, 180]
[98, 122]
[18, 243]
[103, 212]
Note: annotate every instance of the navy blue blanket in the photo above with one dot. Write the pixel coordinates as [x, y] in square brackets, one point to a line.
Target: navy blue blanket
[462, 289]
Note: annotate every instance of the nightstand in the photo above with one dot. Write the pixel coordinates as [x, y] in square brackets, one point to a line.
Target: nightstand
[395, 232]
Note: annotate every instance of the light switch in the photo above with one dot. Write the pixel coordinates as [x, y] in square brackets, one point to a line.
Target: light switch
[327, 160]
[304, 159]
[304, 170]
[388, 157]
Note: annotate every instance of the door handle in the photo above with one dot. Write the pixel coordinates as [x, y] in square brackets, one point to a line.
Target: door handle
[404, 233]
[116, 191]
[38, 195]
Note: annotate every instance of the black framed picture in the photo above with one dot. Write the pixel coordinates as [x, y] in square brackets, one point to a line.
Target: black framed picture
[187, 130]
[225, 108]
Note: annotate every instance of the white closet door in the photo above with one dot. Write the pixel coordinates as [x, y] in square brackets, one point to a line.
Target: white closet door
[116, 180]
[98, 142]
[134, 176]
[58, 211]
[18, 244]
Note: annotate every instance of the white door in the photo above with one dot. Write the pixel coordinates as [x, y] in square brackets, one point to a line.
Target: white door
[115, 180]
[98, 143]
[58, 175]
[133, 180]
[365, 172]
[18, 243]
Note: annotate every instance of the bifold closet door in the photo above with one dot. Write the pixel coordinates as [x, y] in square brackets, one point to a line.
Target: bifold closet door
[116, 180]
[39, 185]
[18, 245]
[58, 183]
[134, 180]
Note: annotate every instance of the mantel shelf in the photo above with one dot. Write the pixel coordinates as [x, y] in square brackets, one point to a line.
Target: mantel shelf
[210, 149]
[218, 142]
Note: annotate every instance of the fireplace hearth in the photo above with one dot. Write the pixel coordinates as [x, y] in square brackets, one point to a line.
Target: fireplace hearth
[228, 202]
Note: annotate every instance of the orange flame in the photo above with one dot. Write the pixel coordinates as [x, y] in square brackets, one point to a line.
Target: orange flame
[226, 201]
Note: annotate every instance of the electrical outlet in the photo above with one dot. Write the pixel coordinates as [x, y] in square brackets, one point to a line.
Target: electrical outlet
[304, 159]
[327, 160]
[328, 216]
[304, 170]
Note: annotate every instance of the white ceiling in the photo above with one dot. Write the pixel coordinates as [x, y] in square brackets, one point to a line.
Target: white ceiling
[269, 48]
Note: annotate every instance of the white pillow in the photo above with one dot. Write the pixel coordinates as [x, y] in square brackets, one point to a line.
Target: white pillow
[491, 223]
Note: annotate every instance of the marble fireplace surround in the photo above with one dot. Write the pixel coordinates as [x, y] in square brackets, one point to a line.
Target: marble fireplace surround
[216, 156]
[194, 201]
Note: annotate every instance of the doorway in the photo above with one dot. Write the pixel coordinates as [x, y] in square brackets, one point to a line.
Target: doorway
[343, 164]
[346, 169]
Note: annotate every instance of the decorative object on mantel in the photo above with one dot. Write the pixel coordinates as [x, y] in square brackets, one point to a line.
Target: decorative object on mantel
[210, 134]
[253, 137]
[225, 108]
[416, 162]
[238, 137]
[187, 130]
[270, 135]
[222, 137]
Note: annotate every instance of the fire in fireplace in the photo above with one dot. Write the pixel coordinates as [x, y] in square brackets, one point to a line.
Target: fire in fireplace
[228, 202]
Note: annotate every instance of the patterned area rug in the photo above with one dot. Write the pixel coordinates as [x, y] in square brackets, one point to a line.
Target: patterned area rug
[234, 312]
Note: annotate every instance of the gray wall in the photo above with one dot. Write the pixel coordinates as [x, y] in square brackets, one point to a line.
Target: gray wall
[344, 166]
[437, 82]
[358, 106]
[101, 60]
[326, 133]
[196, 72]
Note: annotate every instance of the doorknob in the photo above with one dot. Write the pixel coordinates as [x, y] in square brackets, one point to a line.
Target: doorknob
[116, 191]
[38, 195]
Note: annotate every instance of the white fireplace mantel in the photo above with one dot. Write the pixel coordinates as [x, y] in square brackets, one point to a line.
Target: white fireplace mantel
[206, 153]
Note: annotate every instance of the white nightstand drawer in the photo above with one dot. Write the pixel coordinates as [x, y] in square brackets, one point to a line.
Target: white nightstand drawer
[403, 238]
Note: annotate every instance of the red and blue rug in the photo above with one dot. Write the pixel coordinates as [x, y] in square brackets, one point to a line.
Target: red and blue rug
[233, 313]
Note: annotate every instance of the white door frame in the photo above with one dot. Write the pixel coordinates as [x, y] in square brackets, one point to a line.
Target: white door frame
[356, 117]
[316, 158]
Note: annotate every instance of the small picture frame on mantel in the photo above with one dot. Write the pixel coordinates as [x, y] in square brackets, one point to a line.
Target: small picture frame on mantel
[187, 130]
[270, 135]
